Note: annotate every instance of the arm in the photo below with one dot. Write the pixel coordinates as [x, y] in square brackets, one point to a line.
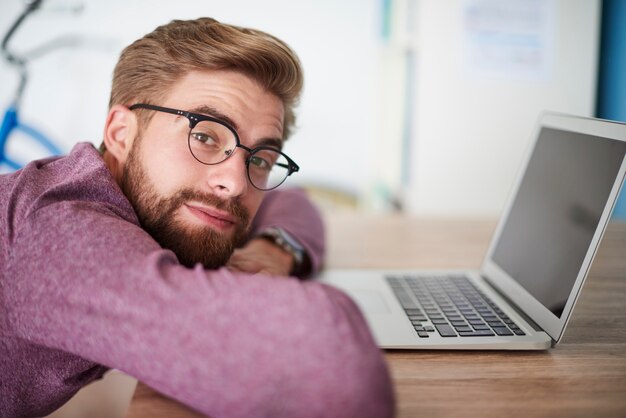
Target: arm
[290, 210]
[90, 283]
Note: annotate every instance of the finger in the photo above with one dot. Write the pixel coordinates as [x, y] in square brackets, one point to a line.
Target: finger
[248, 266]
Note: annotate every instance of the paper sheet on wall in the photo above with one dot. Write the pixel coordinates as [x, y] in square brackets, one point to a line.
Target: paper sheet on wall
[509, 39]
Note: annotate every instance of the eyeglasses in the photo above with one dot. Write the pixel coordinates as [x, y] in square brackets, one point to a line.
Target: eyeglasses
[212, 141]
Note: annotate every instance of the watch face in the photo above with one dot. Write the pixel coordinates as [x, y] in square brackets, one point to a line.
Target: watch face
[301, 263]
[286, 242]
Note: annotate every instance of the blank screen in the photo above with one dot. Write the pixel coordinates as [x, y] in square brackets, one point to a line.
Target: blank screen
[556, 212]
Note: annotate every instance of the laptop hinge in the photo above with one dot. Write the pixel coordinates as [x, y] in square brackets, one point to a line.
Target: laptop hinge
[512, 304]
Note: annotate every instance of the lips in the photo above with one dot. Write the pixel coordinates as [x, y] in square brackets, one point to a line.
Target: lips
[211, 216]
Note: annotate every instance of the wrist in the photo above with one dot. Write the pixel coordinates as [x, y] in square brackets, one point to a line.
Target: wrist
[287, 243]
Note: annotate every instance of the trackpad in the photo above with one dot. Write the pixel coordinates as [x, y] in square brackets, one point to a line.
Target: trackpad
[370, 302]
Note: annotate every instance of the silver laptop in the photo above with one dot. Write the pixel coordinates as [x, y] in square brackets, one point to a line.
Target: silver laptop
[541, 252]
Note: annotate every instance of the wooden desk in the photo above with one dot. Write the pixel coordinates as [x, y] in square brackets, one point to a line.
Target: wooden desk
[585, 375]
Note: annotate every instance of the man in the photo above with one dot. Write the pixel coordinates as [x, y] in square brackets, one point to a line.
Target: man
[117, 260]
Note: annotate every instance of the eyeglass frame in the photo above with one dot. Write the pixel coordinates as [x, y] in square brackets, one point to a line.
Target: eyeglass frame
[195, 118]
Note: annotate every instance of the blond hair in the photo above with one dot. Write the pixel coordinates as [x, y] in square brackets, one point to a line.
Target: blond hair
[149, 67]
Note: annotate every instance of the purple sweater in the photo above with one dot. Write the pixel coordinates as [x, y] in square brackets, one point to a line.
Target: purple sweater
[83, 289]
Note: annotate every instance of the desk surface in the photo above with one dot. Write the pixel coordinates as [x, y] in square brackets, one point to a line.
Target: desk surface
[585, 375]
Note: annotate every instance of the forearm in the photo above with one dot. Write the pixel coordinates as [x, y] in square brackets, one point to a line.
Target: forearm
[225, 344]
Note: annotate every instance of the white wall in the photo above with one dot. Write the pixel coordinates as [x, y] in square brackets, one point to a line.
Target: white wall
[68, 94]
[471, 128]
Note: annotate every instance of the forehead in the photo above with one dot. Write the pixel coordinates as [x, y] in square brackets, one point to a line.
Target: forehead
[250, 107]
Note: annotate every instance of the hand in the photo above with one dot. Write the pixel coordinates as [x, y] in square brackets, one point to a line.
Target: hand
[261, 256]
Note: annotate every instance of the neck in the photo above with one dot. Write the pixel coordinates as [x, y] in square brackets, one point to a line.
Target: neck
[114, 166]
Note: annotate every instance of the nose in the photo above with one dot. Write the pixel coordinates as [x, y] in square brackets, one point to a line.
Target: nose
[228, 179]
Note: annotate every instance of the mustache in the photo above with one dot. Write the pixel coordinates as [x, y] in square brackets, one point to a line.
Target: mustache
[233, 207]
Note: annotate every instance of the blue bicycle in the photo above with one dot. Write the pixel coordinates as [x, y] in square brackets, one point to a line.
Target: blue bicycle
[11, 121]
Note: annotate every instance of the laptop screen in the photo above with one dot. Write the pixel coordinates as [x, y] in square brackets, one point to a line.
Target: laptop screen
[556, 212]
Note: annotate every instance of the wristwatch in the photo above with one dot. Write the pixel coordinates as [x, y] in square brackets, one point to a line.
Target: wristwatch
[285, 241]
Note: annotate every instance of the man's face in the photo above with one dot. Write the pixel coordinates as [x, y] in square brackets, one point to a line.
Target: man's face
[201, 212]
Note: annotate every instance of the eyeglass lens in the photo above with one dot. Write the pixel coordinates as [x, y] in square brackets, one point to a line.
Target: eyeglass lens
[211, 143]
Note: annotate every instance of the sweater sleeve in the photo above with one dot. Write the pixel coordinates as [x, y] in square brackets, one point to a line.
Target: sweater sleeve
[88, 282]
[291, 210]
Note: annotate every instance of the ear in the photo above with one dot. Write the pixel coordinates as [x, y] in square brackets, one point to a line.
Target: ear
[120, 131]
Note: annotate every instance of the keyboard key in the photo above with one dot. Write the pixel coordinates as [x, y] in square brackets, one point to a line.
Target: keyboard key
[485, 333]
[496, 324]
[429, 329]
[463, 329]
[518, 332]
[445, 330]
[502, 331]
[439, 321]
[407, 303]
[422, 334]
[413, 311]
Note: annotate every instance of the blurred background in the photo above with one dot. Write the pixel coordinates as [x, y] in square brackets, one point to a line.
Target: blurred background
[409, 105]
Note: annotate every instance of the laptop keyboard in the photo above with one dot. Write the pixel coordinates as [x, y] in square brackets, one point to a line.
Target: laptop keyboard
[450, 305]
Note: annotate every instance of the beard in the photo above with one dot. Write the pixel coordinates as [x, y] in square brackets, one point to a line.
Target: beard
[192, 244]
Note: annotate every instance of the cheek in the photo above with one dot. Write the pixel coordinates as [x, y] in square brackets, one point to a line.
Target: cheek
[252, 201]
[169, 165]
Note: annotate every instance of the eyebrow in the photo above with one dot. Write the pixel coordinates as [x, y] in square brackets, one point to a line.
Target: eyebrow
[213, 112]
[272, 142]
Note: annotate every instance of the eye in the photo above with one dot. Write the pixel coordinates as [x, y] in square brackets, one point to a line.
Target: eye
[260, 163]
[205, 138]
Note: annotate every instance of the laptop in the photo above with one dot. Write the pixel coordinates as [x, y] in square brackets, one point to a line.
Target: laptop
[524, 293]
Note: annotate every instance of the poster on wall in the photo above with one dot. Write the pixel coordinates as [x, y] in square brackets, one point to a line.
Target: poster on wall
[512, 39]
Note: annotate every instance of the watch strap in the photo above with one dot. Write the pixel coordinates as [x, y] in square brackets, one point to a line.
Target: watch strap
[288, 243]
